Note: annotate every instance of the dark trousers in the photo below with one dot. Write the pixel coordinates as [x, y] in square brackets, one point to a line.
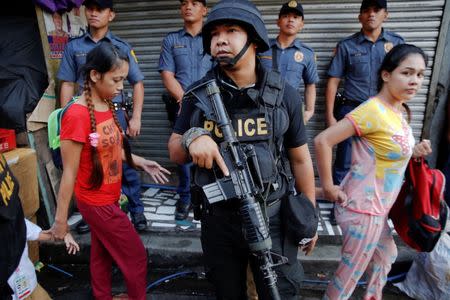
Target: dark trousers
[131, 181]
[114, 239]
[343, 159]
[226, 257]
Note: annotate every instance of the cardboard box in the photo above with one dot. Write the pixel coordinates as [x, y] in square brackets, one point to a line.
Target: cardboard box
[46, 105]
[23, 164]
[7, 139]
[33, 246]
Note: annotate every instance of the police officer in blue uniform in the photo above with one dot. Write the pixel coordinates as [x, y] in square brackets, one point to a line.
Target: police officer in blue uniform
[183, 61]
[99, 13]
[357, 59]
[295, 60]
[265, 111]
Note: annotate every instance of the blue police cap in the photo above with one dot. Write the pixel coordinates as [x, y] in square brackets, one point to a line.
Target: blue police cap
[291, 6]
[202, 1]
[99, 3]
[377, 3]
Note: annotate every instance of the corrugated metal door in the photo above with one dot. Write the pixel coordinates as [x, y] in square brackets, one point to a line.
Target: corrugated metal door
[145, 23]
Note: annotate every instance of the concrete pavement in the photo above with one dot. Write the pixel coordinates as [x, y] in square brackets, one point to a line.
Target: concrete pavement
[175, 246]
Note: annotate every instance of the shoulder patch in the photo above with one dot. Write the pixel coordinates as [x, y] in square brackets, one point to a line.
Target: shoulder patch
[388, 46]
[133, 55]
[298, 56]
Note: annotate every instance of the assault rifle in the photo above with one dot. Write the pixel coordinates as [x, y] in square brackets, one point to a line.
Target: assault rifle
[245, 183]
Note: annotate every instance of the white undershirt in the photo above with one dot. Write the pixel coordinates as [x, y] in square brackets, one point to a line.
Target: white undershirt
[23, 280]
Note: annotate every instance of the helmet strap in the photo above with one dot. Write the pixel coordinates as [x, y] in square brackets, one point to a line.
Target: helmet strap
[231, 62]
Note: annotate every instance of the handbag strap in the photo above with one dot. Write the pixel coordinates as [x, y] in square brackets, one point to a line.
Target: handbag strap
[416, 166]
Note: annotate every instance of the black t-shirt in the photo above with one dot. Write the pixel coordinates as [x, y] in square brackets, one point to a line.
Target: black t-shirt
[12, 227]
[236, 99]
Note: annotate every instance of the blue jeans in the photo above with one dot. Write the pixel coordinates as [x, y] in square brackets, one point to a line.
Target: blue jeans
[184, 185]
[131, 181]
[343, 158]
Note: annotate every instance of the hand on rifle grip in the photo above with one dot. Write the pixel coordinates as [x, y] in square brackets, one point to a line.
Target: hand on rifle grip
[204, 152]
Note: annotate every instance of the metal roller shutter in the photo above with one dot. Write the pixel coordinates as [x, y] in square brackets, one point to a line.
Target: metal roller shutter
[145, 23]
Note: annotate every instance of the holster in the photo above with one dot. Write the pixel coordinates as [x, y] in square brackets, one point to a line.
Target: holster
[172, 107]
[340, 101]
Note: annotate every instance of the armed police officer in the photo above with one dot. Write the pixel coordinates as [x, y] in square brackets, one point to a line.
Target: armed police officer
[357, 60]
[266, 113]
[295, 60]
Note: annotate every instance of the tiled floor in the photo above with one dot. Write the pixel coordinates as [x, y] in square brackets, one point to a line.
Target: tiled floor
[159, 208]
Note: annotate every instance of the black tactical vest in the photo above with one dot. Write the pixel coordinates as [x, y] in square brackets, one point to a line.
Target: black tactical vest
[262, 124]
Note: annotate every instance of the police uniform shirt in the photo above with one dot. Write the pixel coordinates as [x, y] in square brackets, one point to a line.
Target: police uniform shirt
[75, 57]
[357, 60]
[296, 63]
[182, 54]
[247, 126]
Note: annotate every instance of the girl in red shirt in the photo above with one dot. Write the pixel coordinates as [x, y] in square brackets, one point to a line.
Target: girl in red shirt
[92, 147]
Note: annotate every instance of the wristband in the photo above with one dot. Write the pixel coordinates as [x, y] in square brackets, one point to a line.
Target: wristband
[190, 135]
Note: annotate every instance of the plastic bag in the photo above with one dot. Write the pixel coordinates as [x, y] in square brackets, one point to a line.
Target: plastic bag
[429, 276]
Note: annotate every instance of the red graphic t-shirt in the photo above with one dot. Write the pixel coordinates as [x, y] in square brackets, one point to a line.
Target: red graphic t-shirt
[76, 126]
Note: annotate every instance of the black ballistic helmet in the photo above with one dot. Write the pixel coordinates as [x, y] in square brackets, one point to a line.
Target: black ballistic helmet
[241, 12]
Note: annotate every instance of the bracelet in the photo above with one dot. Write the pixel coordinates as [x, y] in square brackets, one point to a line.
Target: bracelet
[190, 135]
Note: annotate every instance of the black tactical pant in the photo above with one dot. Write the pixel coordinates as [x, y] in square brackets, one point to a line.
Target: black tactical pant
[226, 256]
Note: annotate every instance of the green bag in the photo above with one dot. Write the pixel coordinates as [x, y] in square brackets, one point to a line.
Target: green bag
[54, 131]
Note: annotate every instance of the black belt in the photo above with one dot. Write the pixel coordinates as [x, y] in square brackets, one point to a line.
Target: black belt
[349, 102]
[341, 101]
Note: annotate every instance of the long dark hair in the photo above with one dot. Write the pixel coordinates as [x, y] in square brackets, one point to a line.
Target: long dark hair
[103, 58]
[393, 59]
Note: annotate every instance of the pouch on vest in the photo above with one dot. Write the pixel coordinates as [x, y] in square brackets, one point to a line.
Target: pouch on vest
[299, 218]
